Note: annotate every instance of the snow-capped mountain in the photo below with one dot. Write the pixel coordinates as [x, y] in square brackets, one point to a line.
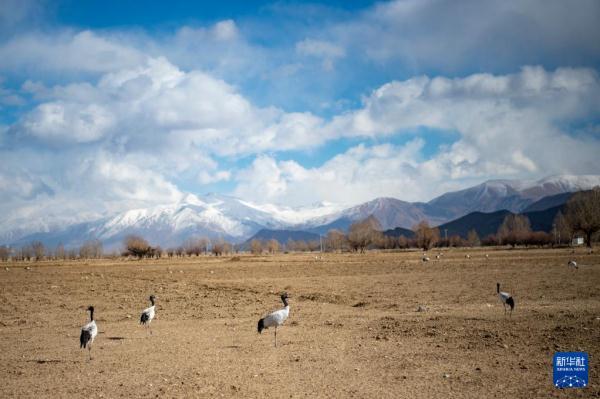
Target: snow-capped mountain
[390, 213]
[490, 196]
[233, 219]
[513, 195]
[212, 216]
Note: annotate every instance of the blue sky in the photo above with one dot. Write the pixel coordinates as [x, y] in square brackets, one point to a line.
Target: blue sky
[110, 105]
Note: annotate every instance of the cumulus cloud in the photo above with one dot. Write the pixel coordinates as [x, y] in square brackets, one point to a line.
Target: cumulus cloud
[57, 121]
[157, 103]
[508, 126]
[522, 114]
[359, 174]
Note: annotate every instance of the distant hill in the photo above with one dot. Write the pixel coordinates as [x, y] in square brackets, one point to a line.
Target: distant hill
[548, 202]
[543, 220]
[283, 236]
[488, 223]
[483, 223]
[399, 231]
[390, 213]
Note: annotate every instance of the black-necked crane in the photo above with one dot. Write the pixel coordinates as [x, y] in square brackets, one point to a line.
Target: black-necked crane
[506, 299]
[277, 318]
[88, 332]
[572, 264]
[148, 314]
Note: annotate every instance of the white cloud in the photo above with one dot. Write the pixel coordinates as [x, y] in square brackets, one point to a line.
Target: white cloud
[205, 177]
[522, 114]
[157, 103]
[225, 30]
[60, 122]
[360, 174]
[172, 123]
[70, 51]
[322, 49]
[319, 48]
[508, 126]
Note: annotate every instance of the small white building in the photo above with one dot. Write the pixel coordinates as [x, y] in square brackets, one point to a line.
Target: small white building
[577, 240]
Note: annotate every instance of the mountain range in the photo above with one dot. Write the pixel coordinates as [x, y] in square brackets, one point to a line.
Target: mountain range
[236, 220]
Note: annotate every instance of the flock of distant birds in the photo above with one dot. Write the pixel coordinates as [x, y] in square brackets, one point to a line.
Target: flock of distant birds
[274, 319]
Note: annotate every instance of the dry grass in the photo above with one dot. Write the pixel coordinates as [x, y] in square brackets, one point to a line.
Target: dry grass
[354, 329]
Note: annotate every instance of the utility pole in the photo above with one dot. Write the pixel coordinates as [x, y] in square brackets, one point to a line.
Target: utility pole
[321, 241]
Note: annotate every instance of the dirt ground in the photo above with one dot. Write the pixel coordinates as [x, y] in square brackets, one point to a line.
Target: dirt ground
[354, 329]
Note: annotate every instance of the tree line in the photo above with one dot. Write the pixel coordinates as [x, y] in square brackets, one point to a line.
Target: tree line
[36, 251]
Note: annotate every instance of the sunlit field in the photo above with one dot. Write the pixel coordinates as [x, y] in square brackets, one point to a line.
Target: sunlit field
[371, 325]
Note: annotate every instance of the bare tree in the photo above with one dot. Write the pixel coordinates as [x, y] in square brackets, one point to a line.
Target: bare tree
[313, 245]
[456, 241]
[301, 246]
[538, 238]
[361, 234]
[137, 246]
[4, 253]
[562, 229]
[91, 249]
[273, 246]
[473, 238]
[60, 252]
[72, 254]
[426, 237]
[490, 240]
[335, 240]
[26, 252]
[39, 250]
[583, 213]
[196, 246]
[515, 229]
[218, 247]
[256, 247]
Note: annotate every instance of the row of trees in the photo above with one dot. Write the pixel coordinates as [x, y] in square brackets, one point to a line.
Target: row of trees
[36, 251]
[138, 247]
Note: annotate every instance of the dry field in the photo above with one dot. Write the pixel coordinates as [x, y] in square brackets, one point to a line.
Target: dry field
[353, 331]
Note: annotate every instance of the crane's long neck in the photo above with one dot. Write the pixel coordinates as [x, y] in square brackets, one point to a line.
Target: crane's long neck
[152, 301]
[498, 288]
[285, 302]
[91, 314]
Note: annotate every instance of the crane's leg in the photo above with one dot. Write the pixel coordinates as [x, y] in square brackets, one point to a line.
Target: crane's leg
[90, 350]
[504, 308]
[150, 328]
[276, 337]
